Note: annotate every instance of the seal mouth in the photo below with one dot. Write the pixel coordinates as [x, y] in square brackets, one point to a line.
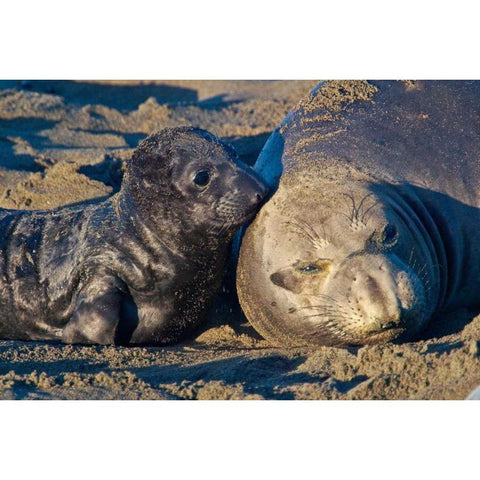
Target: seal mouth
[230, 225]
[393, 331]
[249, 216]
[245, 218]
[387, 335]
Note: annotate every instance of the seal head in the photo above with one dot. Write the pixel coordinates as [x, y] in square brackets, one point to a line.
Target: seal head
[345, 272]
[351, 269]
[179, 177]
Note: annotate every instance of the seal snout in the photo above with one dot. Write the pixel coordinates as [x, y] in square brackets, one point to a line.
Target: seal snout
[255, 190]
[259, 196]
[381, 293]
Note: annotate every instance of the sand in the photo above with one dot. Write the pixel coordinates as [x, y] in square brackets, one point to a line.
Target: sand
[63, 142]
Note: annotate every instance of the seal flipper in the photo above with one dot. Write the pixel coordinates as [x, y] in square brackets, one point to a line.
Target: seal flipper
[97, 314]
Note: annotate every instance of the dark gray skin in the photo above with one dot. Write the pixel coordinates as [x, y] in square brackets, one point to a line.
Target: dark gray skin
[143, 266]
[374, 226]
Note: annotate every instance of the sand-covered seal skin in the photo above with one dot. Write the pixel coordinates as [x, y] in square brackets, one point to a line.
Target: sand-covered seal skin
[374, 226]
[143, 266]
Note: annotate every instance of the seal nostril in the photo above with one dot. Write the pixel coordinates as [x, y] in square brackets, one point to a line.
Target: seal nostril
[258, 198]
[390, 324]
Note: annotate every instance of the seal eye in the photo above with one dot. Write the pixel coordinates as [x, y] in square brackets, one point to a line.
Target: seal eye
[202, 179]
[310, 268]
[389, 235]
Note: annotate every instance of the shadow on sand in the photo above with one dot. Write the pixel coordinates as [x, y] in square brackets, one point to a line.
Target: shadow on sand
[118, 96]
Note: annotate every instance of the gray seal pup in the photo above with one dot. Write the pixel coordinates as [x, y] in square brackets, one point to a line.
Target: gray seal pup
[374, 226]
[141, 267]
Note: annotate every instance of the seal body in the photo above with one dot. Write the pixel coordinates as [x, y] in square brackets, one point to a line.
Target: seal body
[140, 268]
[375, 223]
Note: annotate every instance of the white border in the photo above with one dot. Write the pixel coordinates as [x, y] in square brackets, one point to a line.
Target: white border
[240, 440]
[251, 39]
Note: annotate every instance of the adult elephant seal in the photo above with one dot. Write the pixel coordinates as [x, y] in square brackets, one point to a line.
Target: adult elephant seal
[141, 267]
[375, 225]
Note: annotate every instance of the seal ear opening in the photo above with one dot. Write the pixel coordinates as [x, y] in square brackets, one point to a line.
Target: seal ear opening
[286, 278]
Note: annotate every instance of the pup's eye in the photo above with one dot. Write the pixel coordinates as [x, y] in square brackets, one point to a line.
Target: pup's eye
[389, 235]
[310, 268]
[202, 179]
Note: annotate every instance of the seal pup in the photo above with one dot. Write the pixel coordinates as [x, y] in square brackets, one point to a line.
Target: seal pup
[141, 267]
[374, 226]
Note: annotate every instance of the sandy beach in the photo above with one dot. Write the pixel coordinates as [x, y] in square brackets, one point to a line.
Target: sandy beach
[63, 142]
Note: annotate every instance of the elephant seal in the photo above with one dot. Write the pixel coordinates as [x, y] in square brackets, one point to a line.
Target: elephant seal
[141, 267]
[374, 226]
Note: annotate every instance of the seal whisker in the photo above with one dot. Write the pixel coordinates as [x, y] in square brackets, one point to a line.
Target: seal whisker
[411, 256]
[326, 312]
[329, 316]
[365, 197]
[309, 233]
[317, 307]
[364, 216]
[320, 296]
[325, 308]
[354, 211]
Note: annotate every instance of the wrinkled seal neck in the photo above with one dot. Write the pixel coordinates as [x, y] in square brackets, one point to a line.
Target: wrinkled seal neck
[415, 215]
